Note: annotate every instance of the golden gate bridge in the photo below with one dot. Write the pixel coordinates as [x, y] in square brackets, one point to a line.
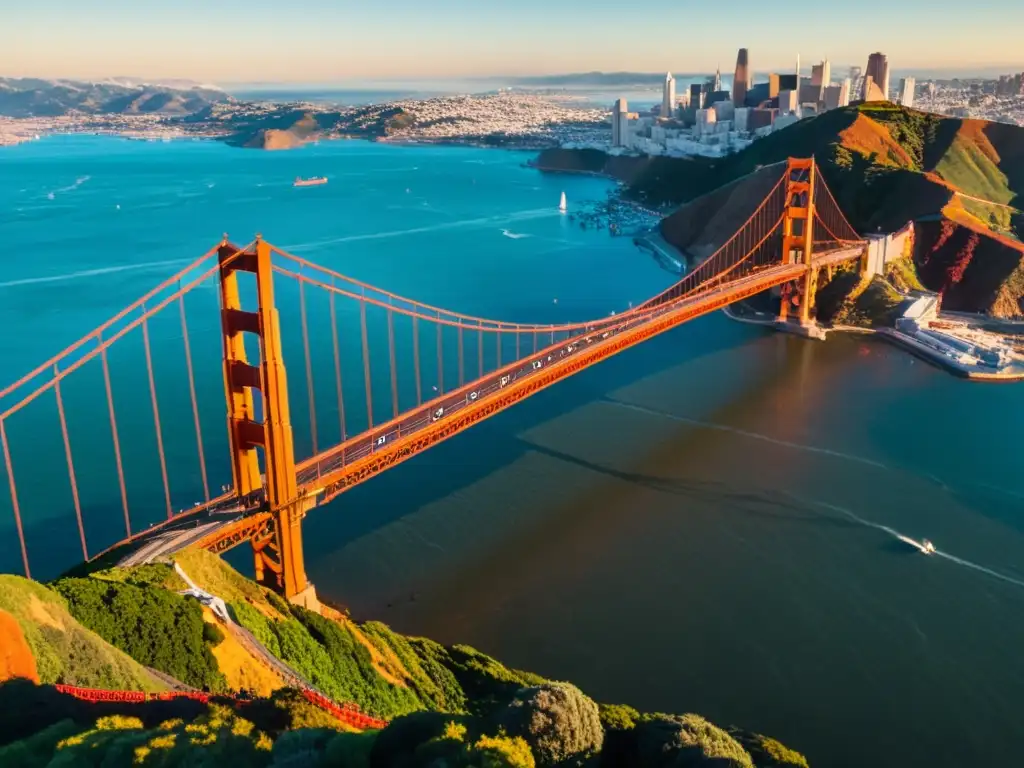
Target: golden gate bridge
[444, 372]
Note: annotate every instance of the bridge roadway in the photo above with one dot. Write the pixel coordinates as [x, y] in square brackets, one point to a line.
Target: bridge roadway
[225, 522]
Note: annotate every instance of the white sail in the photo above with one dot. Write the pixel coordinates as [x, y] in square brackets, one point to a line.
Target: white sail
[561, 203]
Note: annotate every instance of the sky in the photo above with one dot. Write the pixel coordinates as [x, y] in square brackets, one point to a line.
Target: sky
[342, 41]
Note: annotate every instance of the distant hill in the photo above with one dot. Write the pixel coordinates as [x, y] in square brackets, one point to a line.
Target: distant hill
[32, 97]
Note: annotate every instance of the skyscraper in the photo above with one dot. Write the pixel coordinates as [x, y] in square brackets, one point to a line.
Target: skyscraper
[696, 96]
[907, 91]
[821, 74]
[668, 97]
[741, 81]
[620, 124]
[878, 71]
[717, 85]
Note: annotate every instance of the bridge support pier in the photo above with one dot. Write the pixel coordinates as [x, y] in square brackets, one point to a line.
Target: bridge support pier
[278, 554]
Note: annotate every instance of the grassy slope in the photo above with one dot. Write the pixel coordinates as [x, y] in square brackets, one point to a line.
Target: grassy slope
[64, 650]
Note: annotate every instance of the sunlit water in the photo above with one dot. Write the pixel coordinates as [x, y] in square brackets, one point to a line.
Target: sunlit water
[711, 522]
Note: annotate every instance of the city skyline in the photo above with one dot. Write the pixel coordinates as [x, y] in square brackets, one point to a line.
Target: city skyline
[317, 41]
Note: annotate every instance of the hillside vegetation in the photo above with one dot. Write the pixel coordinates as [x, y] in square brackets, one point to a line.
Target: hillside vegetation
[62, 650]
[447, 706]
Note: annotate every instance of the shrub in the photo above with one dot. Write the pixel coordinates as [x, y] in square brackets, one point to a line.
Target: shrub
[157, 628]
[557, 720]
[212, 634]
[350, 750]
[669, 740]
[618, 717]
[768, 753]
[488, 685]
[502, 752]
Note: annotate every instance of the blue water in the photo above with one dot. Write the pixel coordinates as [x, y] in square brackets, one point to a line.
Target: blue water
[706, 523]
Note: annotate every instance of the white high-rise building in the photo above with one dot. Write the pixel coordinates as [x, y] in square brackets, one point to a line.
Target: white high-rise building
[907, 85]
[821, 74]
[668, 97]
[620, 124]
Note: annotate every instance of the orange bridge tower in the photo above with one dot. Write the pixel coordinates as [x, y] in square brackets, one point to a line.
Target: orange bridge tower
[278, 548]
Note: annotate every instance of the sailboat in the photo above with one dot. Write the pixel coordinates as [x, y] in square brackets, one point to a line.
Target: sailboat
[561, 204]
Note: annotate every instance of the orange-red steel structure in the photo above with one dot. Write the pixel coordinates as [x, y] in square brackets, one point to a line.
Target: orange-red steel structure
[797, 230]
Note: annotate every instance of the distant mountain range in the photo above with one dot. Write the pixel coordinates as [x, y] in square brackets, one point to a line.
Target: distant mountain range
[32, 97]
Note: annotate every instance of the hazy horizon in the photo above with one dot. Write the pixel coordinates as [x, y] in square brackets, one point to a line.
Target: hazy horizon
[319, 42]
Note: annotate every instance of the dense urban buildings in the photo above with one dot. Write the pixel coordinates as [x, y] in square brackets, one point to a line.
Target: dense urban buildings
[710, 121]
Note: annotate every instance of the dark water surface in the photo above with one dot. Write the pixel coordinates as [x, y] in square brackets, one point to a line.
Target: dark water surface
[705, 523]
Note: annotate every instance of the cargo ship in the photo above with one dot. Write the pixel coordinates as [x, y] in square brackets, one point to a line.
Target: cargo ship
[312, 181]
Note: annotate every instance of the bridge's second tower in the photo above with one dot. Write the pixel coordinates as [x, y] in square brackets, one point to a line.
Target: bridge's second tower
[278, 553]
[798, 234]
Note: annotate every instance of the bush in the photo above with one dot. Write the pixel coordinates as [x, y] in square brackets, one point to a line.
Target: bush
[502, 752]
[488, 685]
[670, 740]
[557, 720]
[157, 628]
[768, 753]
[618, 717]
[212, 634]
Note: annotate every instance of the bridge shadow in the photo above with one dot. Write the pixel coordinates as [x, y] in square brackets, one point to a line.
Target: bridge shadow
[771, 505]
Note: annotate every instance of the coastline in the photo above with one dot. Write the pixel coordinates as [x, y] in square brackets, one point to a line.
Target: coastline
[898, 339]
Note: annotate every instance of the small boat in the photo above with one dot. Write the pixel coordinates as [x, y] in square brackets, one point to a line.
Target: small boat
[561, 204]
[312, 181]
[927, 547]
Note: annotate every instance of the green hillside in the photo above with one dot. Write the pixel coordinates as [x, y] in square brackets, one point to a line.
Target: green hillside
[64, 650]
[447, 706]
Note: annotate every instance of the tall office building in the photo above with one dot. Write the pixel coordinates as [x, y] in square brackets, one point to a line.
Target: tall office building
[741, 81]
[717, 84]
[837, 96]
[871, 90]
[773, 85]
[907, 85]
[697, 96]
[878, 71]
[821, 74]
[620, 124]
[668, 97]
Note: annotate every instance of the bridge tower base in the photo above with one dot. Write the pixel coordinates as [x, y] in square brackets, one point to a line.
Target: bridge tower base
[278, 551]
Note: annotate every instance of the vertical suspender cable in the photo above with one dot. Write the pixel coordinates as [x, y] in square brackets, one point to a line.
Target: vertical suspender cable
[394, 368]
[14, 499]
[535, 342]
[117, 441]
[517, 345]
[462, 365]
[156, 413]
[70, 460]
[366, 362]
[337, 364]
[416, 356]
[195, 403]
[440, 357]
[497, 343]
[480, 348]
[309, 362]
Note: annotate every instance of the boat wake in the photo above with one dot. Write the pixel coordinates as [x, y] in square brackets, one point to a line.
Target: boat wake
[93, 273]
[481, 222]
[513, 235]
[69, 188]
[921, 545]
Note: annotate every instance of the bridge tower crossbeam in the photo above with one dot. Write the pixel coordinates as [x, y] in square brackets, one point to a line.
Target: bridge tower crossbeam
[279, 561]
